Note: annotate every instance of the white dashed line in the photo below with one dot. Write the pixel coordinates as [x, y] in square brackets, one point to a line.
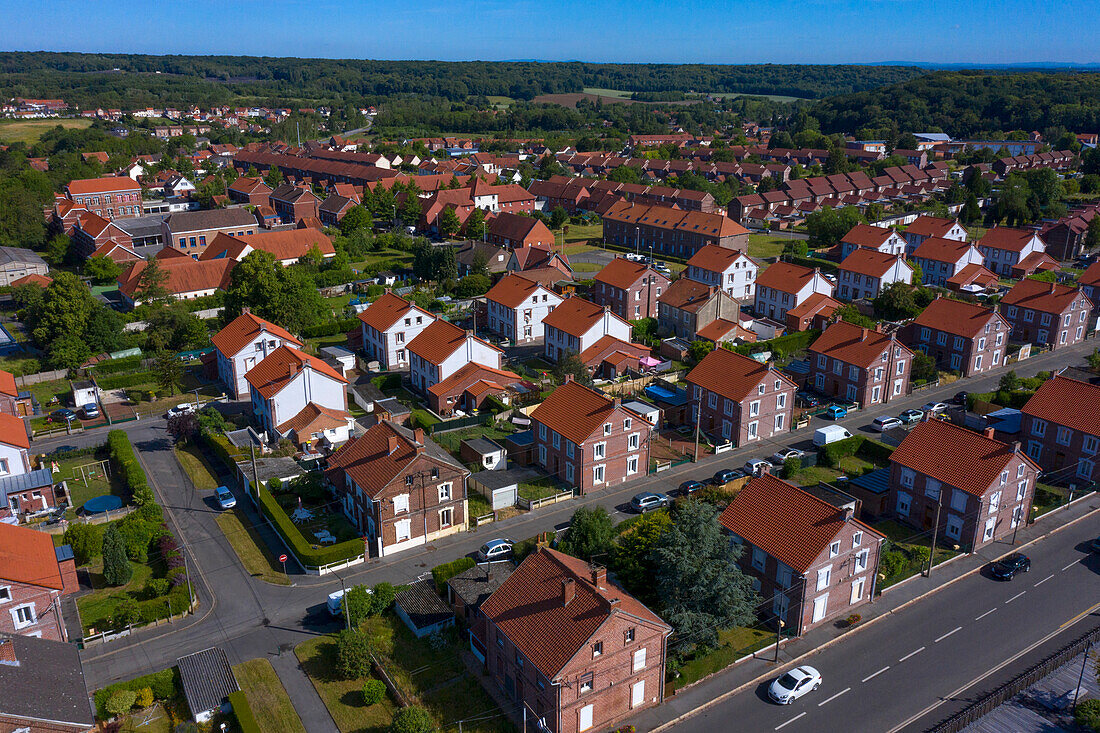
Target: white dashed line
[876, 674]
[979, 618]
[789, 721]
[1043, 581]
[912, 653]
[834, 696]
[1010, 600]
[1067, 567]
[949, 633]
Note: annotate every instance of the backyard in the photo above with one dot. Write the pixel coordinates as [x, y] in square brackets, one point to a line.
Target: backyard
[732, 645]
[343, 698]
[451, 440]
[906, 551]
[86, 477]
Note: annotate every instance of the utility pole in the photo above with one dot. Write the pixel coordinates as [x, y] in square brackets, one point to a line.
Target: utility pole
[698, 420]
[344, 600]
[1081, 678]
[935, 531]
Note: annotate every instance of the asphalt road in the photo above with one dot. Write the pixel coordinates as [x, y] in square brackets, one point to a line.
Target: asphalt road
[917, 666]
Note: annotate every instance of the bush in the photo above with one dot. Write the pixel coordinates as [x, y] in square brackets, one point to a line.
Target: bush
[121, 702]
[86, 541]
[243, 713]
[117, 569]
[791, 466]
[136, 535]
[413, 719]
[854, 619]
[788, 344]
[164, 684]
[374, 691]
[157, 587]
[442, 573]
[1088, 715]
[144, 697]
[830, 454]
[920, 556]
[353, 659]
[424, 419]
[125, 614]
[121, 381]
[126, 463]
[892, 563]
[330, 329]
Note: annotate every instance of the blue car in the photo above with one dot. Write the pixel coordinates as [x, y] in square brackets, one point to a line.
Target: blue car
[835, 412]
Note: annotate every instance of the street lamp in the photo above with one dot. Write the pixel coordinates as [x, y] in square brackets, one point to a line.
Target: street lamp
[780, 623]
[637, 241]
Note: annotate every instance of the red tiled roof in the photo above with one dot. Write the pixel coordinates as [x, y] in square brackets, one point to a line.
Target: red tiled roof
[865, 235]
[731, 375]
[27, 556]
[1036, 261]
[931, 226]
[719, 329]
[469, 374]
[285, 244]
[973, 463]
[714, 258]
[1091, 276]
[789, 523]
[785, 277]
[574, 411]
[623, 274]
[687, 295]
[865, 261]
[1013, 240]
[243, 329]
[814, 304]
[314, 418]
[512, 290]
[439, 340]
[13, 431]
[941, 250]
[107, 184]
[7, 384]
[33, 279]
[971, 274]
[614, 350]
[282, 365]
[1068, 402]
[575, 316]
[957, 317]
[185, 275]
[369, 462]
[852, 344]
[1042, 296]
[384, 312]
[528, 608]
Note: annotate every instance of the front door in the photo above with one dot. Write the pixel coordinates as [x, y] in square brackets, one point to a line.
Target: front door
[637, 693]
[929, 516]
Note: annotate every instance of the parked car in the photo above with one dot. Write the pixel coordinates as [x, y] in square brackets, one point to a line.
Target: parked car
[882, 423]
[335, 602]
[690, 487]
[62, 415]
[498, 549]
[806, 399]
[183, 408]
[635, 257]
[725, 475]
[756, 466]
[90, 410]
[961, 398]
[794, 684]
[934, 408]
[662, 268]
[1008, 567]
[647, 501]
[830, 434]
[836, 412]
[911, 416]
[225, 497]
[784, 454]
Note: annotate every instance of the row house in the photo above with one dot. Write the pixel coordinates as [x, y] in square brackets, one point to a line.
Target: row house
[290, 388]
[516, 307]
[1090, 286]
[571, 649]
[398, 488]
[980, 490]
[867, 272]
[333, 209]
[973, 279]
[1003, 248]
[924, 227]
[941, 259]
[813, 559]
[668, 231]
[738, 399]
[294, 203]
[962, 337]
[1046, 314]
[92, 232]
[388, 325]
[242, 344]
[1061, 425]
[588, 439]
[288, 246]
[111, 197]
[34, 576]
[864, 236]
[577, 324]
[567, 193]
[515, 230]
[185, 278]
[191, 231]
[1066, 238]
[470, 254]
[784, 286]
[859, 364]
[539, 263]
[630, 289]
[441, 348]
[729, 270]
[689, 306]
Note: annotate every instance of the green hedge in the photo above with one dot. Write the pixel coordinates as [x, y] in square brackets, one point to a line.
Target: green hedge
[797, 341]
[245, 719]
[126, 463]
[387, 381]
[442, 573]
[874, 451]
[330, 329]
[121, 381]
[114, 366]
[298, 544]
[164, 684]
[220, 445]
[812, 262]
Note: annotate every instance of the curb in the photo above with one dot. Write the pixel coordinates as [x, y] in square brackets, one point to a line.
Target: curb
[760, 678]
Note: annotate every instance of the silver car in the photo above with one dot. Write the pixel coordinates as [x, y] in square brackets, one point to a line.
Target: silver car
[794, 684]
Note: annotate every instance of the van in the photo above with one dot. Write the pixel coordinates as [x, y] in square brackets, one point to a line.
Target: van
[335, 603]
[830, 434]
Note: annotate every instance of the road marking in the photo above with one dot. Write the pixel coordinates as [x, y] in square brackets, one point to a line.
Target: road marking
[790, 721]
[834, 696]
[1086, 612]
[1043, 580]
[1067, 567]
[985, 614]
[949, 633]
[876, 674]
[912, 653]
[1010, 600]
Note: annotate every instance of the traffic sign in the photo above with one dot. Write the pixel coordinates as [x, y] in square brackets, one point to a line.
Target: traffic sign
[282, 558]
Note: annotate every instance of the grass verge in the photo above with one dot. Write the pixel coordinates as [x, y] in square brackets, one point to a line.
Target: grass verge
[198, 470]
[249, 547]
[732, 645]
[266, 697]
[343, 698]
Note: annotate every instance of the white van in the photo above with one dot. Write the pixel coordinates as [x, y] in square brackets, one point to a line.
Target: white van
[830, 434]
[335, 603]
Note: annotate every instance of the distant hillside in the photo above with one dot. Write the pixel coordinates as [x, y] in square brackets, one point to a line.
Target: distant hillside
[965, 103]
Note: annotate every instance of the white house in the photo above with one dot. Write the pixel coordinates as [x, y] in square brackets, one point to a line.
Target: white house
[441, 349]
[783, 286]
[388, 326]
[925, 227]
[517, 307]
[577, 324]
[290, 388]
[14, 444]
[865, 272]
[940, 259]
[883, 239]
[245, 342]
[727, 269]
[1004, 247]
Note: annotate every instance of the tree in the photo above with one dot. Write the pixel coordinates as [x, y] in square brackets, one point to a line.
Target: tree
[174, 327]
[923, 369]
[57, 250]
[273, 177]
[472, 286]
[353, 654]
[411, 209]
[355, 219]
[849, 313]
[971, 211]
[907, 141]
[183, 427]
[358, 604]
[480, 264]
[896, 302]
[558, 218]
[1094, 360]
[1092, 236]
[1009, 382]
[591, 532]
[1046, 276]
[475, 227]
[374, 691]
[413, 719]
[117, 569]
[120, 702]
[796, 248]
[918, 272]
[828, 226]
[64, 310]
[448, 223]
[167, 370]
[68, 351]
[86, 541]
[152, 283]
[103, 331]
[570, 364]
[697, 580]
[699, 349]
[632, 555]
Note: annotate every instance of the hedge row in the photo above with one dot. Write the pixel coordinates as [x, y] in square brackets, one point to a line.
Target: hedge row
[330, 329]
[442, 573]
[226, 451]
[114, 366]
[164, 684]
[121, 381]
[298, 544]
[245, 720]
[797, 341]
[874, 451]
[126, 463]
[812, 262]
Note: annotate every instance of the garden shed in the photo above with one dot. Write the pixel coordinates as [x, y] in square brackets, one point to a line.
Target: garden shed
[501, 488]
[422, 610]
[208, 682]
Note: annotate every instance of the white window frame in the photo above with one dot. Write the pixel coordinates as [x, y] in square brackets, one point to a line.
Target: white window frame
[638, 660]
[824, 576]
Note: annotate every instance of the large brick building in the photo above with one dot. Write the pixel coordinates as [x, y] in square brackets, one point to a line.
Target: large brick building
[34, 575]
[1061, 428]
[190, 231]
[294, 203]
[962, 337]
[738, 399]
[859, 364]
[667, 231]
[1047, 314]
[630, 289]
[111, 197]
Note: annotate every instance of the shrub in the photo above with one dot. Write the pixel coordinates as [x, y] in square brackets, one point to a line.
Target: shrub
[176, 577]
[442, 573]
[830, 454]
[413, 719]
[121, 702]
[117, 569]
[156, 587]
[1088, 714]
[136, 535]
[791, 466]
[301, 548]
[126, 463]
[920, 555]
[892, 563]
[854, 619]
[383, 594]
[353, 659]
[424, 419]
[86, 541]
[164, 685]
[374, 691]
[144, 697]
[125, 613]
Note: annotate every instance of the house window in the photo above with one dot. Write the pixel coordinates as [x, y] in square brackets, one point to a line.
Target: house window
[954, 526]
[556, 440]
[779, 422]
[607, 428]
[597, 474]
[629, 635]
[783, 576]
[627, 423]
[570, 450]
[990, 527]
[823, 577]
[1089, 444]
[587, 680]
[1021, 490]
[445, 517]
[400, 503]
[907, 476]
[712, 400]
[597, 649]
[781, 401]
[598, 450]
[861, 560]
[857, 539]
[932, 488]
[1039, 428]
[754, 408]
[569, 472]
[444, 492]
[1064, 435]
[903, 504]
[632, 465]
[994, 502]
[23, 616]
[5, 594]
[958, 500]
[639, 660]
[1020, 470]
[632, 441]
[834, 549]
[758, 558]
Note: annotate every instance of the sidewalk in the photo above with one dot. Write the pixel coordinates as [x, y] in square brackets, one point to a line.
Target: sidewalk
[892, 599]
[315, 716]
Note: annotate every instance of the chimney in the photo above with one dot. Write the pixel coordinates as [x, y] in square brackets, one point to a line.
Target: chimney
[988, 432]
[418, 435]
[599, 576]
[568, 590]
[392, 445]
[1052, 288]
[849, 512]
[618, 401]
[863, 334]
[245, 310]
[1016, 445]
[568, 379]
[7, 651]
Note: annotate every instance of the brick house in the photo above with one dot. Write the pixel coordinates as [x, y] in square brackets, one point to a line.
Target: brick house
[515, 230]
[388, 325]
[983, 487]
[568, 193]
[1061, 425]
[729, 270]
[111, 197]
[1090, 286]
[441, 348]
[11, 403]
[865, 236]
[815, 312]
[738, 399]
[924, 227]
[333, 208]
[187, 278]
[516, 307]
[289, 389]
[92, 232]
[293, 203]
[246, 190]
[589, 440]
[941, 259]
[630, 289]
[866, 272]
[1003, 248]
[689, 306]
[469, 387]
[962, 337]
[190, 231]
[398, 488]
[814, 560]
[34, 575]
[44, 689]
[784, 286]
[668, 231]
[287, 245]
[1047, 314]
[575, 651]
[244, 343]
[578, 324]
[859, 364]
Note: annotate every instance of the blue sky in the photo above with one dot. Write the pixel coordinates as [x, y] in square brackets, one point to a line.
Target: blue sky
[703, 31]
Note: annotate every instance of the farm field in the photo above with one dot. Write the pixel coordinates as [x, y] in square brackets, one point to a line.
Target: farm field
[28, 131]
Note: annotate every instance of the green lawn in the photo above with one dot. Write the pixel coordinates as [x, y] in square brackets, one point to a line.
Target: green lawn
[88, 483]
[198, 470]
[1047, 498]
[478, 505]
[732, 645]
[250, 547]
[541, 488]
[97, 607]
[452, 439]
[586, 267]
[29, 131]
[582, 233]
[765, 245]
[266, 697]
[344, 699]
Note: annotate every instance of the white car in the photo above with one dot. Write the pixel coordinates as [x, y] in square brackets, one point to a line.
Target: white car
[934, 408]
[886, 422]
[781, 456]
[183, 408]
[756, 466]
[794, 684]
[634, 257]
